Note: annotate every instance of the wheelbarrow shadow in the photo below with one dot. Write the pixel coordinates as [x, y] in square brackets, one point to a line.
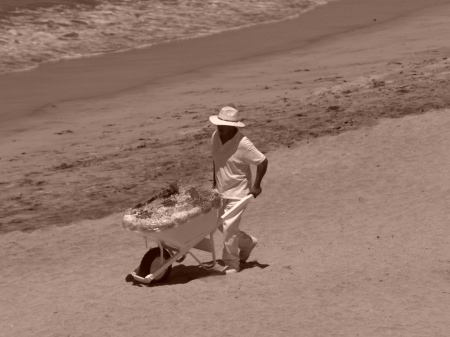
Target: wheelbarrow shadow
[182, 274]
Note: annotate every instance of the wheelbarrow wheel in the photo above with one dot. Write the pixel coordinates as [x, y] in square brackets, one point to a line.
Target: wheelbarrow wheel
[151, 262]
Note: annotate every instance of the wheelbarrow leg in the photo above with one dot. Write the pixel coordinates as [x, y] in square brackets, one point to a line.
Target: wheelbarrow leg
[213, 248]
[209, 248]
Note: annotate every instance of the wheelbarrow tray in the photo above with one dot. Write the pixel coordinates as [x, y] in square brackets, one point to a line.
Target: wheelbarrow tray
[192, 234]
[189, 233]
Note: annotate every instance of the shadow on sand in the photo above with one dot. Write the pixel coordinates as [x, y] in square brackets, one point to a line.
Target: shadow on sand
[182, 274]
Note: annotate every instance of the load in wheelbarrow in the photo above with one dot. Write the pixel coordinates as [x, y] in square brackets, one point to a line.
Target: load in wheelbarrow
[173, 244]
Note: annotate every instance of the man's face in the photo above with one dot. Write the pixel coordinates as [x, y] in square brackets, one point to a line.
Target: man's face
[225, 129]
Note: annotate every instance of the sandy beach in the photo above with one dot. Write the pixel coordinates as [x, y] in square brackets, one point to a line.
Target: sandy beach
[352, 221]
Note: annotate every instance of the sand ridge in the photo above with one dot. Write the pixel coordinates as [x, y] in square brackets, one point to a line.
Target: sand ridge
[352, 233]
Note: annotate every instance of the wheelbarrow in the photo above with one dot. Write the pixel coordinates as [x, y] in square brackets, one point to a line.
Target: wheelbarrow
[175, 243]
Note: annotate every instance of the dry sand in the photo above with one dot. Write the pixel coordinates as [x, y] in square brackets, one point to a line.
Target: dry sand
[352, 221]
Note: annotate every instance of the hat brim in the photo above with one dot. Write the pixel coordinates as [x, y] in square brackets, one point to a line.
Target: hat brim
[217, 121]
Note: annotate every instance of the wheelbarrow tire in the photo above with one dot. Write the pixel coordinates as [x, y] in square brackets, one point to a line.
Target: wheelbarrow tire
[151, 262]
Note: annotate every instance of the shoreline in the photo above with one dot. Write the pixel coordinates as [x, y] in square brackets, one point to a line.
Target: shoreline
[91, 77]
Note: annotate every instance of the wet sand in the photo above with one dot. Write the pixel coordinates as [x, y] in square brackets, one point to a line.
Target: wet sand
[114, 73]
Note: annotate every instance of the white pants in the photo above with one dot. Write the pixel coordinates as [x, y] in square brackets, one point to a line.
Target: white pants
[233, 238]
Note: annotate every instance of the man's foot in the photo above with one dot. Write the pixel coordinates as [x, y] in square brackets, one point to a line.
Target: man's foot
[216, 267]
[244, 254]
[229, 270]
[224, 269]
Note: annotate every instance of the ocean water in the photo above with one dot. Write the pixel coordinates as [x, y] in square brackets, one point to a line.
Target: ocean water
[37, 31]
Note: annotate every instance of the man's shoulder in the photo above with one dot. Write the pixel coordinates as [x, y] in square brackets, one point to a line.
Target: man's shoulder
[245, 142]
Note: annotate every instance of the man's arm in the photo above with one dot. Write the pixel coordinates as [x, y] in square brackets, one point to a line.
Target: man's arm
[260, 172]
[214, 176]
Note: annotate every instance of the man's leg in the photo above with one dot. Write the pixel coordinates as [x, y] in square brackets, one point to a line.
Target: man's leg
[232, 236]
[246, 245]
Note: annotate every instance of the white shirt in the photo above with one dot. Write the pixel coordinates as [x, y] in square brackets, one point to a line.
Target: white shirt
[232, 162]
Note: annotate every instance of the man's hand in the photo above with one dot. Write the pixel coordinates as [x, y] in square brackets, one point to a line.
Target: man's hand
[260, 172]
[255, 191]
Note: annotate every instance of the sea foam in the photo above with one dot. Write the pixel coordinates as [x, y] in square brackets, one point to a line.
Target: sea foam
[30, 35]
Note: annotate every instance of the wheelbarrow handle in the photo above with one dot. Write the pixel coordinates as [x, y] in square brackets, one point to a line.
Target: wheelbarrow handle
[236, 208]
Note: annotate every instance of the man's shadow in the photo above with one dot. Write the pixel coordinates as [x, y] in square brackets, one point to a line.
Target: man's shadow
[182, 274]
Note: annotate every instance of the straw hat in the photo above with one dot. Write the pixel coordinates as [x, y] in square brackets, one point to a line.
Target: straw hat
[227, 116]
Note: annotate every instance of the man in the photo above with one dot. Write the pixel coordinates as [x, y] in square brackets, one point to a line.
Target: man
[233, 153]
